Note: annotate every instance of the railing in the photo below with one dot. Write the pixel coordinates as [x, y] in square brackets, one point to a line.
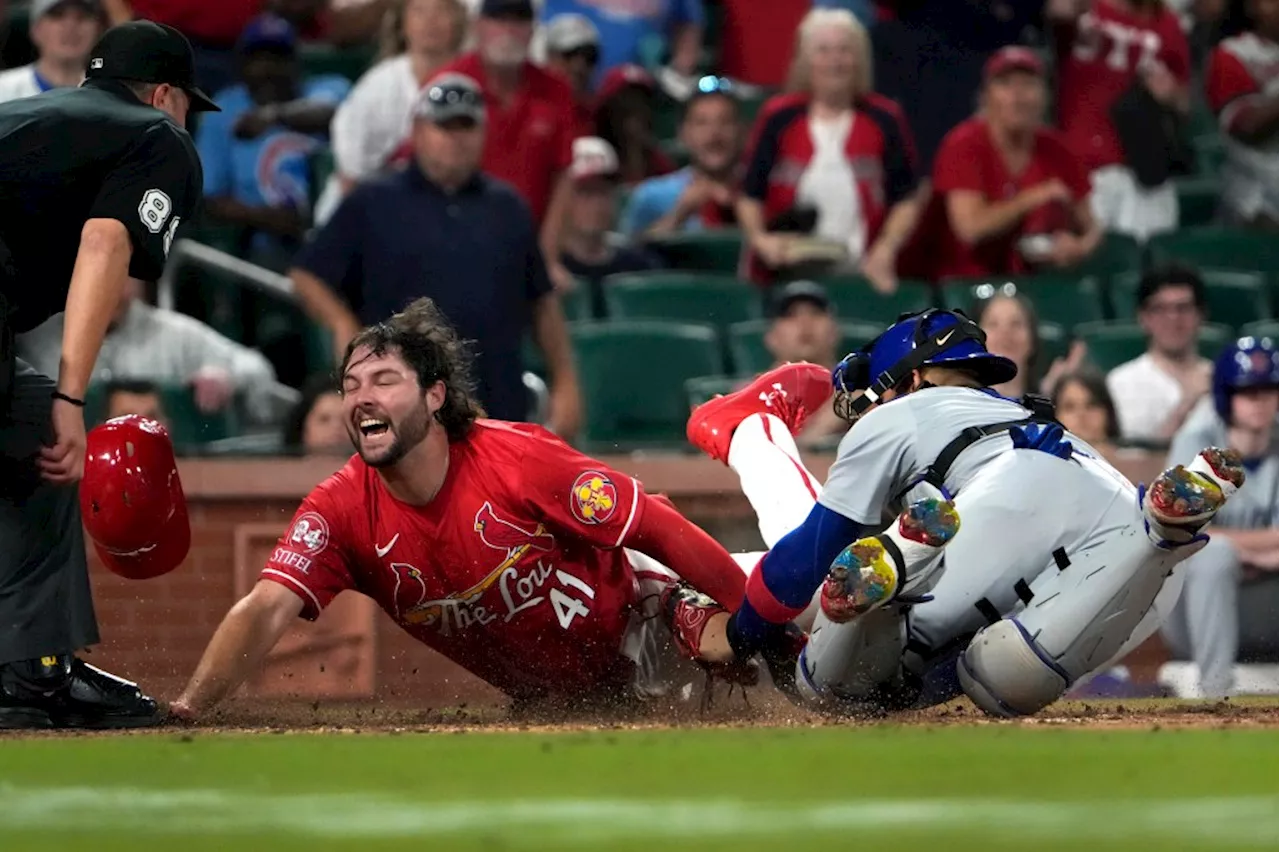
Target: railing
[189, 251]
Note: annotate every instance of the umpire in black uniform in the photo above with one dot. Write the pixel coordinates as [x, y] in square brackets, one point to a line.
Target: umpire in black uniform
[94, 181]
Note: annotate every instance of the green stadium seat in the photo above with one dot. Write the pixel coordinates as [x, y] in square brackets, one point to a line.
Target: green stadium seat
[1261, 328]
[1058, 297]
[746, 347]
[189, 427]
[856, 300]
[633, 375]
[716, 250]
[703, 388]
[681, 297]
[577, 308]
[855, 335]
[1234, 298]
[1197, 199]
[1220, 248]
[1211, 153]
[1116, 254]
[350, 62]
[1112, 343]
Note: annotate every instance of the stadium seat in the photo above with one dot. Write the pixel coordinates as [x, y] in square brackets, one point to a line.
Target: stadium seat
[856, 300]
[1063, 297]
[1113, 343]
[1261, 328]
[1211, 153]
[1197, 199]
[746, 347]
[1054, 343]
[633, 378]
[681, 297]
[855, 335]
[1116, 254]
[1234, 298]
[716, 250]
[1220, 248]
[703, 388]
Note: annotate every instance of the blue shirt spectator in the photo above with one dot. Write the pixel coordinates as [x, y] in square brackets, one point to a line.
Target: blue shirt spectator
[639, 32]
[651, 200]
[256, 151]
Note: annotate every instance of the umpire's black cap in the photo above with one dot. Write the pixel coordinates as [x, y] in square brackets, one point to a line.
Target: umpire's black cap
[148, 53]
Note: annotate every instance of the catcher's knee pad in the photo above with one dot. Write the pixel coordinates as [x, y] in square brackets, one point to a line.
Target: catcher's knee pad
[1005, 673]
[844, 663]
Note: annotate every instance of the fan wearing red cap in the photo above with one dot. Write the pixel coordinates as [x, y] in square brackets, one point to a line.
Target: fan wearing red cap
[624, 117]
[1013, 197]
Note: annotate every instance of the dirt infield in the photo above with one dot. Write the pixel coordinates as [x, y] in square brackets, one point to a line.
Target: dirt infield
[281, 717]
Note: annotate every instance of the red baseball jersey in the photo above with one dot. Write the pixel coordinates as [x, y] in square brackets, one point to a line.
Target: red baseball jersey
[529, 141]
[968, 160]
[1099, 59]
[879, 149]
[515, 570]
[1239, 67]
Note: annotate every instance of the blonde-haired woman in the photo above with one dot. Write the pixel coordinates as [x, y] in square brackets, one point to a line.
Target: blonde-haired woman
[830, 146]
[418, 38]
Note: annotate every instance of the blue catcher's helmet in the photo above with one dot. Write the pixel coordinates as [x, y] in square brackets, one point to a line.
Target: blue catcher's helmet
[1248, 362]
[934, 337]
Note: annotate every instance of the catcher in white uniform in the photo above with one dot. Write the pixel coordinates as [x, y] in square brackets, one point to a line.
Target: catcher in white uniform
[1055, 563]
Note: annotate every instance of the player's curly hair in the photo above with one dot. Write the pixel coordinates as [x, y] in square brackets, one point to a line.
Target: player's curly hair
[423, 337]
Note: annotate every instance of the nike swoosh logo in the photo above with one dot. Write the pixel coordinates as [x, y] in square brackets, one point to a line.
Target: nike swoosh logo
[942, 340]
[383, 551]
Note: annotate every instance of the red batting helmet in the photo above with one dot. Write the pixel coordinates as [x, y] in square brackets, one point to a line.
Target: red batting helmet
[132, 500]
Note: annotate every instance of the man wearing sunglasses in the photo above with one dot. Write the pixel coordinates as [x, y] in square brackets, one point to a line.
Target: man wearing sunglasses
[701, 195]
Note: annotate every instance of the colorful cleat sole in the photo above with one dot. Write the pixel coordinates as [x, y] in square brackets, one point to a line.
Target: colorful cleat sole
[861, 578]
[1224, 466]
[931, 521]
[1181, 497]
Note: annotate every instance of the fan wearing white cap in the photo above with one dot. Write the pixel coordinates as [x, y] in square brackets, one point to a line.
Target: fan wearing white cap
[588, 247]
[62, 32]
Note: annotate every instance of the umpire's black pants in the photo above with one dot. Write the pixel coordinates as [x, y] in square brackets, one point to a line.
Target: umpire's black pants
[46, 606]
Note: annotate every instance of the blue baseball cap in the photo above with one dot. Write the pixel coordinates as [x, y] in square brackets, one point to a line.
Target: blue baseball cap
[268, 32]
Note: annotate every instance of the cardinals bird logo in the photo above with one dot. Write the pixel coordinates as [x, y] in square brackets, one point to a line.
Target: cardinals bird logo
[500, 535]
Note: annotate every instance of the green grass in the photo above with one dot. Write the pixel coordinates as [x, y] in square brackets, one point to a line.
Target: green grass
[866, 788]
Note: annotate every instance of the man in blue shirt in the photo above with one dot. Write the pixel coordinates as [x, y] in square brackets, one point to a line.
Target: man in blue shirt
[256, 151]
[637, 33]
[702, 194]
[443, 229]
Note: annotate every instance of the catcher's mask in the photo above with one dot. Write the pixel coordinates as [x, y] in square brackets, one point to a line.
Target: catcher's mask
[933, 337]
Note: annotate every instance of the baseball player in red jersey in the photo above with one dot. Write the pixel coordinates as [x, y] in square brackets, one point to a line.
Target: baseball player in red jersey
[538, 569]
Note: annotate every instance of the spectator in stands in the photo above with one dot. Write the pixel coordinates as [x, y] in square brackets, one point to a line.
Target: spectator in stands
[573, 49]
[134, 396]
[832, 153]
[1086, 409]
[1016, 198]
[256, 151]
[1122, 65]
[530, 121]
[442, 228]
[803, 328]
[1013, 331]
[624, 118]
[1228, 601]
[315, 424]
[629, 30]
[350, 23]
[704, 193]
[1243, 92]
[590, 250]
[62, 33]
[212, 26]
[419, 37]
[753, 45]
[147, 343]
[1156, 391]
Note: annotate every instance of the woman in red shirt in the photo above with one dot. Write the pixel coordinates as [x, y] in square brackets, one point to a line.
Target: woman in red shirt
[833, 148]
[1016, 199]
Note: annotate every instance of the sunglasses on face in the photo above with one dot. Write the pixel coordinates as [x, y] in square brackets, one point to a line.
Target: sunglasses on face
[588, 54]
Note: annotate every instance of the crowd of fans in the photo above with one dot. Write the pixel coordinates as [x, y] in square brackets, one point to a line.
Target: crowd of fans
[507, 157]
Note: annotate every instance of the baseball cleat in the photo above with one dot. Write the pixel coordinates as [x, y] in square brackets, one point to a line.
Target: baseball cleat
[790, 392]
[1223, 466]
[871, 572]
[1184, 498]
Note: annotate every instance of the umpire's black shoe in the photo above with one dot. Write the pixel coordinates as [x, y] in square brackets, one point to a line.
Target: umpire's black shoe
[65, 692]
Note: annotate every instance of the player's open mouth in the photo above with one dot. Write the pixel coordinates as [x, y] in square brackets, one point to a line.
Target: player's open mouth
[371, 427]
